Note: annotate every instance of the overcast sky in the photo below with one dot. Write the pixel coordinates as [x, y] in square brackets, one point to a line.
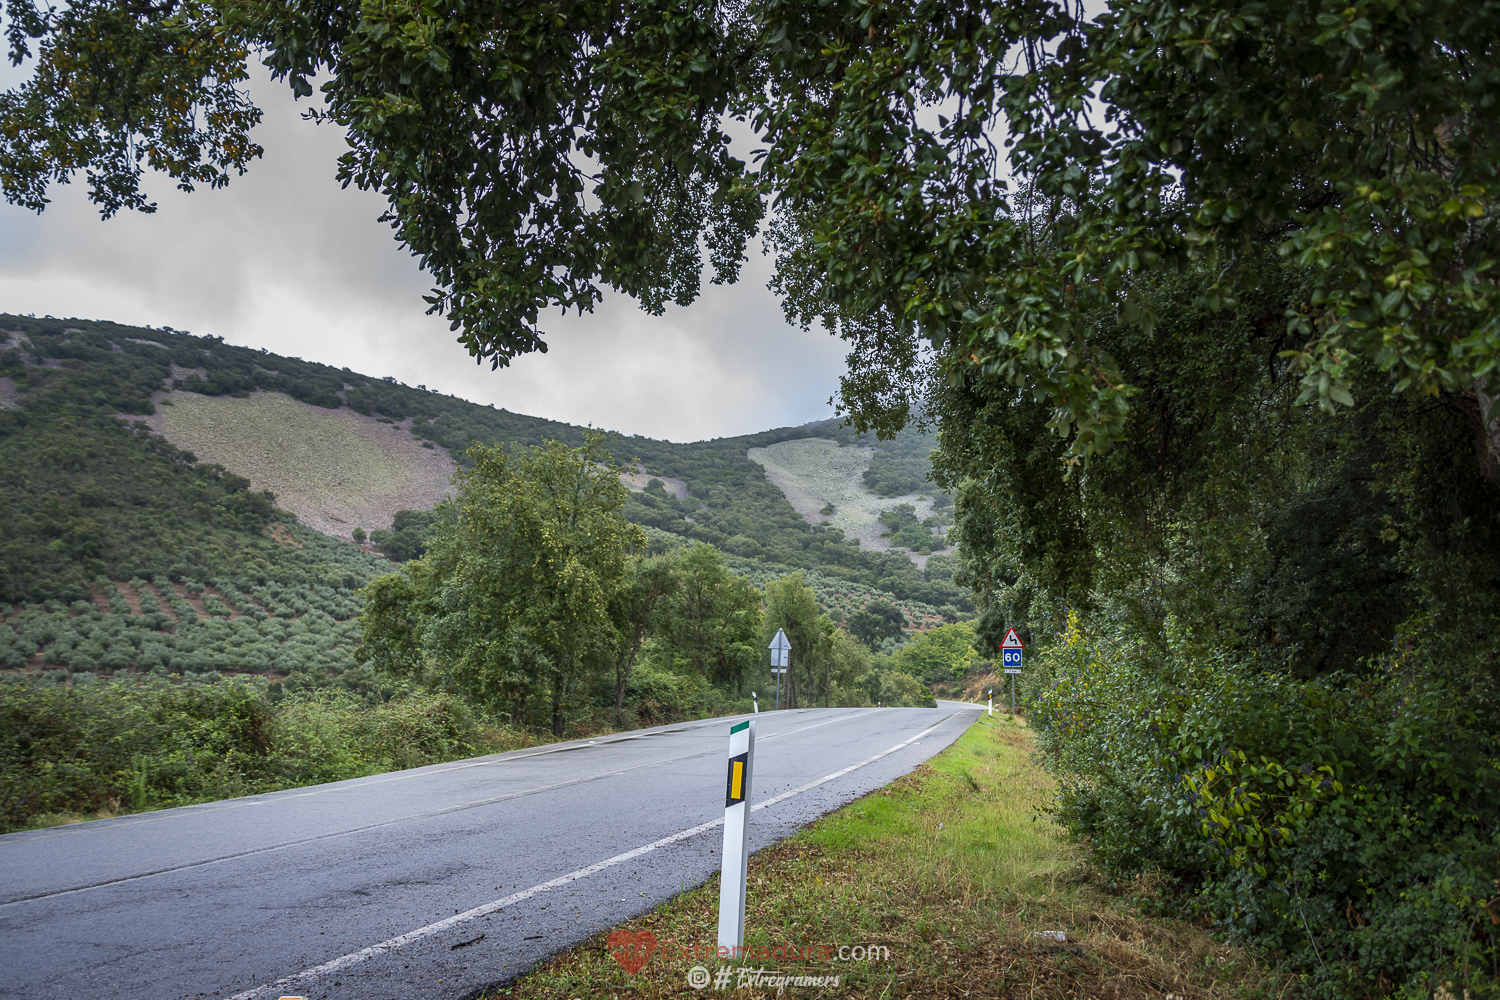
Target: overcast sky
[287, 260]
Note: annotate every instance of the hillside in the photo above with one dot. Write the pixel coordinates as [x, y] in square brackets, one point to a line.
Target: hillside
[160, 493]
[335, 469]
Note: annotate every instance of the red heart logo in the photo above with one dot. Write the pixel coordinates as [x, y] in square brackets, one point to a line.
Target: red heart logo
[632, 950]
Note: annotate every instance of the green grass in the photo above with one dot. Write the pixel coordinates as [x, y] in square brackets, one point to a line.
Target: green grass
[955, 869]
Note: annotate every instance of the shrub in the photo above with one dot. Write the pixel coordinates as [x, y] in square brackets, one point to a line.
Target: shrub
[893, 687]
[1349, 823]
[77, 749]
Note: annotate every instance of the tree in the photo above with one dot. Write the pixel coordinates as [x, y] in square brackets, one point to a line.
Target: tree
[942, 654]
[511, 604]
[792, 607]
[713, 618]
[876, 621]
[408, 535]
[636, 608]
[531, 158]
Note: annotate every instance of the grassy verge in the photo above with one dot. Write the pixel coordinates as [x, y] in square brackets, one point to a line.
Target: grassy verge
[958, 877]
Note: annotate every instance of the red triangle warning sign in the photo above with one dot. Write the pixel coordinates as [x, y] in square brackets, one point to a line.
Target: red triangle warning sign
[1012, 641]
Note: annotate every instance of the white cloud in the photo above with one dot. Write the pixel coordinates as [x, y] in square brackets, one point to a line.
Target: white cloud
[287, 260]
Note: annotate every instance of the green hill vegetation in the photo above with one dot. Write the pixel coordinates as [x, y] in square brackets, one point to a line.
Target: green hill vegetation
[68, 379]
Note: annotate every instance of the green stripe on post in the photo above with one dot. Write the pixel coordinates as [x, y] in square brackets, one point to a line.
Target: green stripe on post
[742, 725]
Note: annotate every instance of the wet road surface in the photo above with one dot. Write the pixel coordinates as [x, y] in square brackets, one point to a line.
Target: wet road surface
[432, 882]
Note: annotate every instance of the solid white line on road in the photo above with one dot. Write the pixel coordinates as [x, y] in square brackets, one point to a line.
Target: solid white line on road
[354, 958]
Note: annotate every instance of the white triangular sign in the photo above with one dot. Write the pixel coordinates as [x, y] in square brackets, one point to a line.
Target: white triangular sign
[1012, 641]
[780, 650]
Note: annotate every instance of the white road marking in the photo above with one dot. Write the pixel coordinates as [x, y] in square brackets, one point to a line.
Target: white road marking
[484, 909]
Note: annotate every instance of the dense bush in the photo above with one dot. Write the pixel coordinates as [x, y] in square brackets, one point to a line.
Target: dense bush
[1263, 636]
[1351, 824]
[77, 750]
[876, 621]
[942, 654]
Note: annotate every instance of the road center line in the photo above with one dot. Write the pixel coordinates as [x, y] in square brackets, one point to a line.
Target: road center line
[484, 909]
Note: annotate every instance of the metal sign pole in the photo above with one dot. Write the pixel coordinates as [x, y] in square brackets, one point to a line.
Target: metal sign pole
[781, 659]
[1010, 651]
[736, 854]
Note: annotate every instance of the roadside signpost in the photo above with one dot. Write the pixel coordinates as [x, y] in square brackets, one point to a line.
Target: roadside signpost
[1010, 653]
[736, 836]
[781, 658]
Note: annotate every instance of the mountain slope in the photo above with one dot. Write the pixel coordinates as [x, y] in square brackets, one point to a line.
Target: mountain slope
[335, 469]
[123, 550]
[92, 493]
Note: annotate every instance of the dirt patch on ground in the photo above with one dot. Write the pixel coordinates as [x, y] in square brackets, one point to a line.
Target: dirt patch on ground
[637, 481]
[132, 599]
[181, 374]
[335, 469]
[816, 473]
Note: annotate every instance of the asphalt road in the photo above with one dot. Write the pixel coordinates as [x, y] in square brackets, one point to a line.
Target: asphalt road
[374, 887]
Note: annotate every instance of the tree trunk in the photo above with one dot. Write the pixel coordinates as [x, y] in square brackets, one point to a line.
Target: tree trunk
[557, 714]
[1487, 425]
[623, 668]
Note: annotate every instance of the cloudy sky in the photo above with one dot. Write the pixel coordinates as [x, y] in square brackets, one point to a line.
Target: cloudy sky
[287, 260]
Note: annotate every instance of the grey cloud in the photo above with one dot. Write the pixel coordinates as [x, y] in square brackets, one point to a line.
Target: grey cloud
[287, 260]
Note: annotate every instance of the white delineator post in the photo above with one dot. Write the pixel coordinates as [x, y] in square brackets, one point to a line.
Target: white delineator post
[992, 701]
[755, 702]
[736, 839]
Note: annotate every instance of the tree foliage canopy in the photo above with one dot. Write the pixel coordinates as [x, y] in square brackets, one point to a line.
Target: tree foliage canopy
[512, 601]
[955, 184]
